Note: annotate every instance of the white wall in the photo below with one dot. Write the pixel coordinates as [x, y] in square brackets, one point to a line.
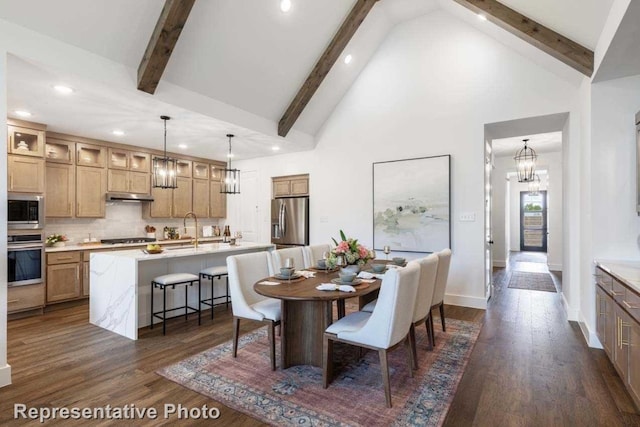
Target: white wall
[509, 225]
[429, 90]
[5, 369]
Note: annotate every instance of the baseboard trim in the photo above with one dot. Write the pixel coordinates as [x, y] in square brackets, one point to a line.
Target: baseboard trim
[5, 375]
[466, 301]
[572, 315]
[589, 336]
[555, 267]
[499, 263]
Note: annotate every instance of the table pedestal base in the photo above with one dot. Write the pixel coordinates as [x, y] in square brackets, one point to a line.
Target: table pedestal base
[303, 325]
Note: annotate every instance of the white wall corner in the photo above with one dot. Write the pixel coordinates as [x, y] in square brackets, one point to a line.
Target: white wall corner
[466, 301]
[5, 375]
[573, 315]
[499, 263]
[590, 336]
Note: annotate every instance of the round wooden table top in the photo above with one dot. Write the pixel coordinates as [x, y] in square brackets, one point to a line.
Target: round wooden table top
[306, 289]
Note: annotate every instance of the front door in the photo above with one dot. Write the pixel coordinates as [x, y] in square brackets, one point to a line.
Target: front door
[533, 221]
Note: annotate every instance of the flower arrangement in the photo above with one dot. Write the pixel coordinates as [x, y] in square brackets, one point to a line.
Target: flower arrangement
[55, 238]
[353, 252]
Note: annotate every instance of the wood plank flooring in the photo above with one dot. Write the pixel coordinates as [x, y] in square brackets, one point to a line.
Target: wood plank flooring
[529, 367]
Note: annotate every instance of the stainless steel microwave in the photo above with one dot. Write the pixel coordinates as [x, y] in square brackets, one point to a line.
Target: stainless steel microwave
[25, 211]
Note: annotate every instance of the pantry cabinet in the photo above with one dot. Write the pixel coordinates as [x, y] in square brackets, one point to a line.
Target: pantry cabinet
[60, 190]
[26, 174]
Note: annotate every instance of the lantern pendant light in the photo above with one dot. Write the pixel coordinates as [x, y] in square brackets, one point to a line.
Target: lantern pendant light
[534, 186]
[231, 176]
[165, 168]
[526, 163]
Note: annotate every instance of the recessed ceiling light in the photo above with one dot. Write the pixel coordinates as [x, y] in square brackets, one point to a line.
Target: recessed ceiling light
[285, 5]
[348, 58]
[482, 17]
[23, 113]
[65, 90]
[275, 148]
[118, 132]
[183, 146]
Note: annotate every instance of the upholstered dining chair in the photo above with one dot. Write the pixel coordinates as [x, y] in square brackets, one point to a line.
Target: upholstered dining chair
[381, 330]
[444, 261]
[297, 253]
[424, 299]
[244, 271]
[314, 253]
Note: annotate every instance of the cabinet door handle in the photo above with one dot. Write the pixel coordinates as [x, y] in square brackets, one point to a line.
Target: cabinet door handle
[64, 257]
[11, 181]
[12, 301]
[623, 324]
[629, 306]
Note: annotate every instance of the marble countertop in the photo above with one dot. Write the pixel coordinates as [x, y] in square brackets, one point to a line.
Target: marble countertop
[177, 252]
[627, 272]
[98, 246]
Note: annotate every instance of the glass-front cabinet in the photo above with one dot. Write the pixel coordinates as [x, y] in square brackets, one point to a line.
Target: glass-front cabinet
[26, 142]
[90, 155]
[60, 151]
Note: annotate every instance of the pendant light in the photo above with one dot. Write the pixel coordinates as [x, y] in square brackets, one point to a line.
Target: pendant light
[165, 168]
[231, 177]
[526, 163]
[534, 186]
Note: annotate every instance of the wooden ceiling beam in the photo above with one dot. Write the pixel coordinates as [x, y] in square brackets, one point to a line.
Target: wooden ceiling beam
[556, 45]
[164, 38]
[331, 54]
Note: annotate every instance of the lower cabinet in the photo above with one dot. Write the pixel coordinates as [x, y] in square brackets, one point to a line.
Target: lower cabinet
[22, 298]
[85, 278]
[63, 276]
[618, 328]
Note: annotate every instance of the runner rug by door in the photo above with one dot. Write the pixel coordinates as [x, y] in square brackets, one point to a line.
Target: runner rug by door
[532, 281]
[295, 396]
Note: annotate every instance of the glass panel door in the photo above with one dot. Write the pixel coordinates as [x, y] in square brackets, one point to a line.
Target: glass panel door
[533, 221]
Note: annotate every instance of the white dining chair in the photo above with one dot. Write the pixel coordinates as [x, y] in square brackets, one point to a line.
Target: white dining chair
[381, 330]
[424, 298]
[244, 271]
[297, 253]
[444, 261]
[314, 253]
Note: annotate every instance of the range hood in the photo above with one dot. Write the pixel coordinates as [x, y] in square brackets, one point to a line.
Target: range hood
[129, 197]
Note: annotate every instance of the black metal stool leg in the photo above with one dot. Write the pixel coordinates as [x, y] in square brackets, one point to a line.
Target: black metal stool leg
[186, 303]
[211, 297]
[227, 303]
[152, 304]
[164, 310]
[199, 299]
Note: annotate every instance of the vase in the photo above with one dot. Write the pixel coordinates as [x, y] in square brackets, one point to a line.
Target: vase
[58, 245]
[353, 268]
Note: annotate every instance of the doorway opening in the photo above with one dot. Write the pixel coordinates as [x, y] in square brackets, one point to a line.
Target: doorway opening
[533, 221]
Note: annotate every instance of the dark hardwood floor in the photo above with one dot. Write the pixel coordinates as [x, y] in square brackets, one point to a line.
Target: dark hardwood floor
[529, 367]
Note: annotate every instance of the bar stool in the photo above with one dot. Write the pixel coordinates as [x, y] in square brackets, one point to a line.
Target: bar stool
[211, 273]
[173, 280]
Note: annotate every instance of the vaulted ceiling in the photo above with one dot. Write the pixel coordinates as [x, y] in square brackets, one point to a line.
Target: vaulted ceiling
[246, 54]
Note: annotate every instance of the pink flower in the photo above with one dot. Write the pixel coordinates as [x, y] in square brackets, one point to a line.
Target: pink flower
[363, 252]
[342, 247]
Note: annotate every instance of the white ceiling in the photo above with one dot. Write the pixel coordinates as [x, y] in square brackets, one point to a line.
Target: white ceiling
[542, 143]
[243, 53]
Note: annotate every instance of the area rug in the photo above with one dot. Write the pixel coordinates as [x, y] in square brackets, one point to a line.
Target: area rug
[532, 281]
[295, 397]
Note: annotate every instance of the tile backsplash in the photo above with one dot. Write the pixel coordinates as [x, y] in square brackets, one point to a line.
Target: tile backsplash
[121, 220]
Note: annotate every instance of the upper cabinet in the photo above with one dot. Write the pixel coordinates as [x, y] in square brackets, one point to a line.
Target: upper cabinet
[25, 141]
[60, 151]
[200, 170]
[288, 186]
[129, 160]
[184, 168]
[90, 155]
[26, 174]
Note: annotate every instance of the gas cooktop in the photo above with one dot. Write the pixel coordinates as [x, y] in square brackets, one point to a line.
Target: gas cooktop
[128, 240]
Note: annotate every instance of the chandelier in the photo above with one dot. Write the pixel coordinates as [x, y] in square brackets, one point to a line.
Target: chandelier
[534, 186]
[526, 163]
[231, 177]
[164, 168]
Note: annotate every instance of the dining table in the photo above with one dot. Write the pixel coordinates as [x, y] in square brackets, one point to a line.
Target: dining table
[307, 312]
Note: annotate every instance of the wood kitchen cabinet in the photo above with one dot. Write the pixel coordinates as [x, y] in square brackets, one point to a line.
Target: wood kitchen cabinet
[60, 151]
[288, 186]
[201, 197]
[182, 198]
[86, 278]
[60, 190]
[217, 201]
[25, 142]
[91, 185]
[162, 203]
[23, 298]
[200, 170]
[183, 168]
[25, 174]
[90, 155]
[63, 276]
[122, 181]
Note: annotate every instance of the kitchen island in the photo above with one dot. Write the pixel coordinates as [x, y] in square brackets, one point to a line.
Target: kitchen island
[120, 281]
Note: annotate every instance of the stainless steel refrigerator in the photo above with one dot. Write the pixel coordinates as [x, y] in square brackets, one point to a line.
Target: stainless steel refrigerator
[290, 221]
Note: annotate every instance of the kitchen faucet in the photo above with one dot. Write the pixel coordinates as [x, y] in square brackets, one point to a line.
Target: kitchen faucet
[184, 223]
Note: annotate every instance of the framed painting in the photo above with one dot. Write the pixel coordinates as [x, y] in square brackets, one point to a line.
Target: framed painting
[412, 204]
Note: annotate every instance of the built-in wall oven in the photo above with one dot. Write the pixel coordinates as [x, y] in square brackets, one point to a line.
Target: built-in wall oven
[25, 211]
[25, 258]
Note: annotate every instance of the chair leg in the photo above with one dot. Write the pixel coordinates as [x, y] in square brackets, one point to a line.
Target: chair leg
[272, 345]
[428, 325]
[384, 367]
[199, 299]
[236, 332]
[327, 361]
[433, 329]
[341, 308]
[412, 344]
[444, 329]
[411, 354]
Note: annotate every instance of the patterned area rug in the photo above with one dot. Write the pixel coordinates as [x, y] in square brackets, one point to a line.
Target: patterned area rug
[532, 281]
[295, 397]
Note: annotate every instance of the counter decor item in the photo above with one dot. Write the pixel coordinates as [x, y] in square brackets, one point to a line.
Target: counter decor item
[349, 252]
[150, 230]
[56, 240]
